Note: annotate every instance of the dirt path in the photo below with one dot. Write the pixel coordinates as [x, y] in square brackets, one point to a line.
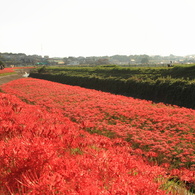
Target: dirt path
[18, 75]
[8, 78]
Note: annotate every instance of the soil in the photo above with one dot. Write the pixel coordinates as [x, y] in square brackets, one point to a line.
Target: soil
[8, 78]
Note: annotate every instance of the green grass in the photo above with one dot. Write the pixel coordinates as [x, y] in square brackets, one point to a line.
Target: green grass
[176, 72]
[9, 73]
[176, 187]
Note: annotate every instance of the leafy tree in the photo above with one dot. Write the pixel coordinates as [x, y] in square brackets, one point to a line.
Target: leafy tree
[102, 61]
[2, 66]
[145, 60]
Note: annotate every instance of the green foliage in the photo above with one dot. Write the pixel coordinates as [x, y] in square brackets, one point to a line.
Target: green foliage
[42, 69]
[104, 132]
[76, 151]
[175, 186]
[1, 63]
[2, 66]
[175, 85]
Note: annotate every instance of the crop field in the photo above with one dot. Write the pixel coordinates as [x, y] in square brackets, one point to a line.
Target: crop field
[149, 73]
[62, 139]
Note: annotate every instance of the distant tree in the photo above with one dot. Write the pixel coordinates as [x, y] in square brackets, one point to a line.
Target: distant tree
[121, 58]
[102, 61]
[2, 66]
[69, 60]
[65, 60]
[145, 60]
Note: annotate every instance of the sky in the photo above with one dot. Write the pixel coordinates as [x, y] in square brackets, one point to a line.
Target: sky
[62, 28]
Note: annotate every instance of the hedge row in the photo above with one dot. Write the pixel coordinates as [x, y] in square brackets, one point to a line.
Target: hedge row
[170, 91]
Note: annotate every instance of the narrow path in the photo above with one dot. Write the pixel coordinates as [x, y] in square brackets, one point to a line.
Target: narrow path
[8, 78]
[18, 75]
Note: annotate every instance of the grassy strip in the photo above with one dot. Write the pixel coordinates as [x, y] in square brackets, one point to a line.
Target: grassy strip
[182, 71]
[6, 74]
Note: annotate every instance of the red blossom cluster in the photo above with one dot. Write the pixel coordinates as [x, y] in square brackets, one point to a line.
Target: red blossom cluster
[45, 153]
[9, 70]
[6, 70]
[156, 133]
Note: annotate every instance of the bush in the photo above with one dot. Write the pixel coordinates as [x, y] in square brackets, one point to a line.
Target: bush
[155, 84]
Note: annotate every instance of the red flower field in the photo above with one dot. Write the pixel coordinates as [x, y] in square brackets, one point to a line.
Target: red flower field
[10, 70]
[61, 139]
[6, 70]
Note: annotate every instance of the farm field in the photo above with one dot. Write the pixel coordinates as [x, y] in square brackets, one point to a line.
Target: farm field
[70, 140]
[177, 72]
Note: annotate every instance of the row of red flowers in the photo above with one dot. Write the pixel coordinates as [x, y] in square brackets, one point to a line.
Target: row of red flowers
[10, 70]
[163, 134]
[6, 70]
[45, 153]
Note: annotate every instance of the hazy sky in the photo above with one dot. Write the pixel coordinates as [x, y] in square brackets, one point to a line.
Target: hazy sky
[61, 28]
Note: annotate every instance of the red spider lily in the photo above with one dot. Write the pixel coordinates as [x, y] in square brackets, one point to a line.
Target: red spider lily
[6, 70]
[154, 132]
[44, 152]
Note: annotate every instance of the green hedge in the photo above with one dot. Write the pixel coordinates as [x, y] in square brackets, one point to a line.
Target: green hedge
[170, 91]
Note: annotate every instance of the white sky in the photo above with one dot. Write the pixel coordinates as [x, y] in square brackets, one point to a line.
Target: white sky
[61, 28]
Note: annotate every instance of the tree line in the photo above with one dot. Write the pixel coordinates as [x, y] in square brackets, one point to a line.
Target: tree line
[21, 59]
